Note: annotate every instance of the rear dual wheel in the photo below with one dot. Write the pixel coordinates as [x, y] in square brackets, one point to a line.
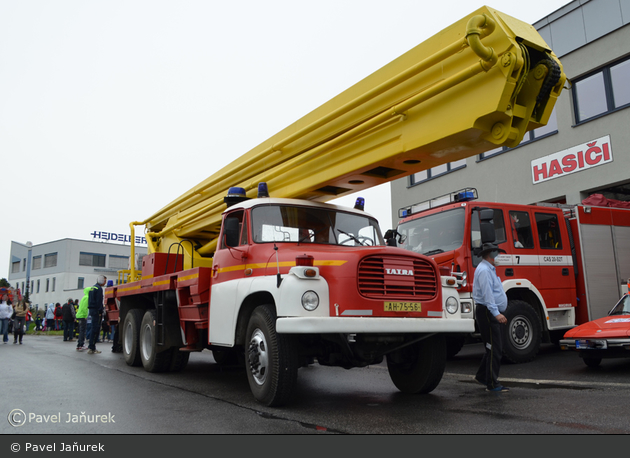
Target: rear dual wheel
[153, 360]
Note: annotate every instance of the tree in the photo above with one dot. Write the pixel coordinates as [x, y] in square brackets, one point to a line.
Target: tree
[4, 283]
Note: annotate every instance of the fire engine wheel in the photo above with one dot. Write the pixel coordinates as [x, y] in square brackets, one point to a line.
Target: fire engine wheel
[271, 360]
[152, 360]
[227, 357]
[522, 334]
[131, 336]
[418, 368]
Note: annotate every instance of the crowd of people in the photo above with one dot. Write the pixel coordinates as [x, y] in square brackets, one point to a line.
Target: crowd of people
[79, 320]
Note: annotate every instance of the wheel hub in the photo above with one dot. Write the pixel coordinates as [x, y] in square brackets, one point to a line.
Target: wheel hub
[258, 357]
[521, 332]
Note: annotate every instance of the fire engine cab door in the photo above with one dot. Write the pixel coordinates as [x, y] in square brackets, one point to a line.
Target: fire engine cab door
[557, 278]
[228, 266]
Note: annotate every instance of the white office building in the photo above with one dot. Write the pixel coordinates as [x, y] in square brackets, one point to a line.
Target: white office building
[60, 270]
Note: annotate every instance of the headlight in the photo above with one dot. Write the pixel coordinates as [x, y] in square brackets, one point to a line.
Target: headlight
[466, 307]
[451, 305]
[310, 300]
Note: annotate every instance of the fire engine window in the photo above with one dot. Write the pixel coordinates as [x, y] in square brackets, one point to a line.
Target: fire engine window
[521, 230]
[232, 229]
[475, 232]
[244, 231]
[548, 231]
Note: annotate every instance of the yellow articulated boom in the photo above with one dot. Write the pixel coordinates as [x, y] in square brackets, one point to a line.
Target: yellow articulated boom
[481, 83]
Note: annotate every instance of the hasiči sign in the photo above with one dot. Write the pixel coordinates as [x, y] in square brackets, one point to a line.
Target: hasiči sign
[571, 160]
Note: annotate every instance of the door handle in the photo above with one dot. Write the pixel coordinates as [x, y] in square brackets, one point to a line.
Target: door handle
[565, 272]
[509, 272]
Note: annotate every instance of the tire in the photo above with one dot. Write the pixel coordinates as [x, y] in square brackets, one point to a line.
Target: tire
[454, 344]
[179, 360]
[418, 368]
[227, 357]
[522, 334]
[131, 337]
[591, 361]
[152, 360]
[271, 360]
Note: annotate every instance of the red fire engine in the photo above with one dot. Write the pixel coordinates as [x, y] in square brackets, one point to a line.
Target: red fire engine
[562, 265]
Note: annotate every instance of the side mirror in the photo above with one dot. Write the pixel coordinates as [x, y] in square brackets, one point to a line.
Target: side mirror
[486, 225]
[231, 230]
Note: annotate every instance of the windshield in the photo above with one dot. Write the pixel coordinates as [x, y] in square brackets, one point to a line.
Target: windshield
[280, 223]
[434, 233]
[622, 307]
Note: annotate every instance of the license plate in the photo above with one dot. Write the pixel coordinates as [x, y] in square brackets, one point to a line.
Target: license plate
[590, 345]
[402, 307]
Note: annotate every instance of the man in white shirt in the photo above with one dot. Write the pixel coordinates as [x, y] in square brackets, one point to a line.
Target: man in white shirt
[490, 303]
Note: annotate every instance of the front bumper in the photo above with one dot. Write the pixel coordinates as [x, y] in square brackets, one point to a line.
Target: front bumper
[593, 344]
[357, 325]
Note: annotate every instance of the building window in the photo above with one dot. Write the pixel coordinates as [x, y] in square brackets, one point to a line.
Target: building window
[47, 284]
[436, 171]
[50, 260]
[23, 264]
[92, 259]
[602, 92]
[54, 283]
[531, 136]
[80, 283]
[118, 262]
[38, 286]
[15, 267]
[37, 262]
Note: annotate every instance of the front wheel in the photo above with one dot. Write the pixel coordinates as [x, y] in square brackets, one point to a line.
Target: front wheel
[418, 368]
[271, 359]
[522, 334]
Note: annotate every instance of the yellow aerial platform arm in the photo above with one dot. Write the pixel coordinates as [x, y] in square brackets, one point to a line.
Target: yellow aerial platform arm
[482, 82]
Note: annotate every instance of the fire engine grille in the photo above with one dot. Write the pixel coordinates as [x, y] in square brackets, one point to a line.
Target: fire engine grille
[397, 277]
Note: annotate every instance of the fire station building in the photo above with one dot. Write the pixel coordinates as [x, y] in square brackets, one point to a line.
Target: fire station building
[585, 147]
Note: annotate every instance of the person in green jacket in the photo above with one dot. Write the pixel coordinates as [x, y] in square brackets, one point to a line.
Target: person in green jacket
[82, 314]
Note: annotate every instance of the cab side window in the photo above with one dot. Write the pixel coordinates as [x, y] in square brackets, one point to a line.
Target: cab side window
[521, 228]
[475, 227]
[548, 231]
[232, 229]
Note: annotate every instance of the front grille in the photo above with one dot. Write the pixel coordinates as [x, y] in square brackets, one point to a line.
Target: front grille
[397, 277]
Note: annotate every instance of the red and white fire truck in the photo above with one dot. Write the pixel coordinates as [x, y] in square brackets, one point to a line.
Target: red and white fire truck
[279, 282]
[563, 266]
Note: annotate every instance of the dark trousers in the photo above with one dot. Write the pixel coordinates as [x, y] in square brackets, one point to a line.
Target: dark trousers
[82, 326]
[68, 330]
[18, 328]
[490, 330]
[96, 326]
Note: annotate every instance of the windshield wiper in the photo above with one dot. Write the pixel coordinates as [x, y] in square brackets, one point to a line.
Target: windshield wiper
[429, 253]
[352, 237]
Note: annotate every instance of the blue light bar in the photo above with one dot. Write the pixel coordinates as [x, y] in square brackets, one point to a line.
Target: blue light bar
[360, 203]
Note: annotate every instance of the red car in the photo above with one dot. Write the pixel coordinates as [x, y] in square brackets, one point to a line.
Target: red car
[607, 337]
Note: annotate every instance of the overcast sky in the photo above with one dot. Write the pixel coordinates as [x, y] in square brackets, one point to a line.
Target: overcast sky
[111, 109]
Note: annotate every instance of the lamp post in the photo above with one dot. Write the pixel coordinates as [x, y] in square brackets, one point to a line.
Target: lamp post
[29, 245]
